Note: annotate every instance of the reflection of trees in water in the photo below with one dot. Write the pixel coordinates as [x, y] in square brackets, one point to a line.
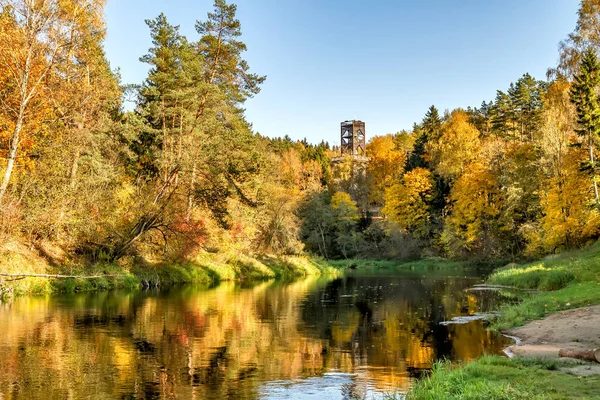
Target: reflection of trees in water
[394, 321]
[224, 342]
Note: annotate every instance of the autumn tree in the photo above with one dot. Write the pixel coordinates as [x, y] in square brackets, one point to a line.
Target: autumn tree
[557, 128]
[585, 36]
[456, 145]
[521, 182]
[346, 217]
[584, 94]
[476, 203]
[386, 165]
[317, 231]
[407, 203]
[350, 176]
[35, 39]
[567, 220]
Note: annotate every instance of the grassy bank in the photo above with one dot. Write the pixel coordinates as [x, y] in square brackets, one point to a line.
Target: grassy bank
[207, 268]
[428, 264]
[561, 282]
[569, 280]
[493, 377]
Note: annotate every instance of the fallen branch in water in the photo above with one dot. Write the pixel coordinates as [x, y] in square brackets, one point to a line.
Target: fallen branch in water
[16, 277]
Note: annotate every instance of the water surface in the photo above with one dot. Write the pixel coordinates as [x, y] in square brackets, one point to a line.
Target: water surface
[319, 338]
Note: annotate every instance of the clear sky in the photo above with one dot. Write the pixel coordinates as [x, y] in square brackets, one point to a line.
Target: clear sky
[384, 62]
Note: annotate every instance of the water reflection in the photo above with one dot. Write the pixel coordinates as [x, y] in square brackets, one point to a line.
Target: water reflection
[271, 340]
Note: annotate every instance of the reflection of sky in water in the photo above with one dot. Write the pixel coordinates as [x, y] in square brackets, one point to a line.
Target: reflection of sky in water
[316, 338]
[330, 386]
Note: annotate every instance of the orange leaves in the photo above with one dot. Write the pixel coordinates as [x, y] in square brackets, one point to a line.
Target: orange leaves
[50, 57]
[297, 175]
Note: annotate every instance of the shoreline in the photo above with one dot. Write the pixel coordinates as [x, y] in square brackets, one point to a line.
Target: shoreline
[206, 269]
[574, 329]
[561, 310]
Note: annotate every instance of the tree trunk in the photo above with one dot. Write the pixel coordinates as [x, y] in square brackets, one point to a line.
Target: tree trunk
[24, 101]
[12, 154]
[592, 161]
[190, 204]
[323, 239]
[588, 355]
[214, 68]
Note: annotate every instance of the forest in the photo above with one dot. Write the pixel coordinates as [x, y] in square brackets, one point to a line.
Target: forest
[183, 173]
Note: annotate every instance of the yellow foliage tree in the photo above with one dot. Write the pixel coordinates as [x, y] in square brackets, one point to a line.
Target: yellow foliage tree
[38, 39]
[569, 218]
[476, 204]
[457, 145]
[345, 217]
[343, 204]
[406, 203]
[386, 165]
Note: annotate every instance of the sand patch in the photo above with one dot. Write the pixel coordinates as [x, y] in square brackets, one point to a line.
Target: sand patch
[577, 329]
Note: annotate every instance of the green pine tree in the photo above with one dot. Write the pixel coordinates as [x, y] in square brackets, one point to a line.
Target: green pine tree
[501, 115]
[584, 94]
[429, 129]
[221, 49]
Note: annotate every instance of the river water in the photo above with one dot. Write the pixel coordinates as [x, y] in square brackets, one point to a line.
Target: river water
[319, 338]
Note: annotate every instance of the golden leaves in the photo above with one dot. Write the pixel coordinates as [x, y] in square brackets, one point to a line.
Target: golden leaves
[406, 202]
[456, 147]
[386, 166]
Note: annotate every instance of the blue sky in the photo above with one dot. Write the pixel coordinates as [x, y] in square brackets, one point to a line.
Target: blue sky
[383, 62]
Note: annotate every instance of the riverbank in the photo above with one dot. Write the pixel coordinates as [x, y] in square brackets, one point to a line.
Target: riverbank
[566, 281]
[561, 312]
[534, 370]
[423, 265]
[493, 377]
[575, 329]
[206, 268]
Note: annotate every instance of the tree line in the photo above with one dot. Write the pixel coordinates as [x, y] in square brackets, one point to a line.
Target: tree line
[516, 176]
[183, 172]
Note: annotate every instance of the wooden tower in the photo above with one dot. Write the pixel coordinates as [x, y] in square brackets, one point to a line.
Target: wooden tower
[353, 141]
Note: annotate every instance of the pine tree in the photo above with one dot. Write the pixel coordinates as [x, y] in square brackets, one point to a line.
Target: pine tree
[501, 115]
[222, 53]
[584, 94]
[428, 130]
[526, 97]
[158, 102]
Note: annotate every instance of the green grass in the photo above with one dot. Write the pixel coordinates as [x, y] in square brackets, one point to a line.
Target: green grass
[535, 276]
[494, 377]
[205, 269]
[428, 264]
[569, 280]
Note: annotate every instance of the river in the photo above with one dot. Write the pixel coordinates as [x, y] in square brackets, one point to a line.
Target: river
[319, 338]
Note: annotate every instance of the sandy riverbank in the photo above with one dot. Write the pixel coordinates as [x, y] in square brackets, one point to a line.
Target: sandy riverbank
[577, 329]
